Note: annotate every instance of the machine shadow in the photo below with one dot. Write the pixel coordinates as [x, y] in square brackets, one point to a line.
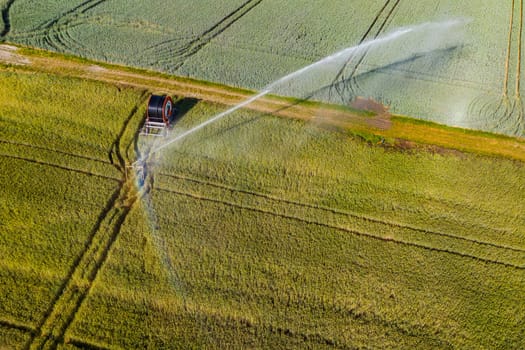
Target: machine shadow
[183, 106]
[348, 89]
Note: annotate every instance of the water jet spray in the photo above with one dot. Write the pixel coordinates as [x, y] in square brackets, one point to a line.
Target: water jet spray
[342, 56]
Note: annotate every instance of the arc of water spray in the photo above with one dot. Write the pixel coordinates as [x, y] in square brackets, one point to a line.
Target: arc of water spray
[269, 88]
[343, 53]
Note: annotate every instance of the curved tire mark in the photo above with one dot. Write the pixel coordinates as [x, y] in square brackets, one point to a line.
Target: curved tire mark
[182, 54]
[115, 149]
[79, 9]
[6, 19]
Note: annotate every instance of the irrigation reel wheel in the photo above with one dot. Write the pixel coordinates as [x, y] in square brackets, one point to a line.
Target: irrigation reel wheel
[159, 115]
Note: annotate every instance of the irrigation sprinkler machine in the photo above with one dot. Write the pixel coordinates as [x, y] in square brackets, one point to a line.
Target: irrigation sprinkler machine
[160, 116]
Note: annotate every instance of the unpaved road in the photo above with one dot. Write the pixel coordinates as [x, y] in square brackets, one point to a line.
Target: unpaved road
[383, 125]
[189, 88]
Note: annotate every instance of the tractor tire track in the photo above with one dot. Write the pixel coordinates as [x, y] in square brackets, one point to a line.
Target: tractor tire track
[347, 214]
[369, 30]
[84, 345]
[386, 21]
[78, 46]
[59, 39]
[519, 122]
[176, 59]
[6, 19]
[505, 113]
[340, 228]
[77, 262]
[343, 83]
[77, 285]
[18, 326]
[62, 36]
[412, 331]
[509, 48]
[42, 148]
[116, 146]
[513, 114]
[51, 330]
[71, 13]
[449, 204]
[316, 303]
[71, 23]
[520, 44]
[54, 33]
[61, 167]
[376, 18]
[211, 33]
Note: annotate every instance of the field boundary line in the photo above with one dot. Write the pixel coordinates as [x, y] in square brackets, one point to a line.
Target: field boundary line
[480, 143]
[348, 214]
[339, 228]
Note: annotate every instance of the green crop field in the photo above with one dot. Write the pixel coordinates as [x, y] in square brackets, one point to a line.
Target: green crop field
[467, 74]
[255, 232]
[61, 169]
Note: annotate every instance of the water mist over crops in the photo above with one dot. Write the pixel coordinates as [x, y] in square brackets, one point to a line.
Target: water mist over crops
[334, 75]
[322, 76]
[330, 75]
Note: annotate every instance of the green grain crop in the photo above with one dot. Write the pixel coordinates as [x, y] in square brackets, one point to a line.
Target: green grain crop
[272, 233]
[56, 175]
[468, 75]
[255, 232]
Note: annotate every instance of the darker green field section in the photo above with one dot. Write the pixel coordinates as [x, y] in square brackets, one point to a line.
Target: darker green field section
[269, 233]
[59, 165]
[221, 277]
[46, 218]
[255, 232]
